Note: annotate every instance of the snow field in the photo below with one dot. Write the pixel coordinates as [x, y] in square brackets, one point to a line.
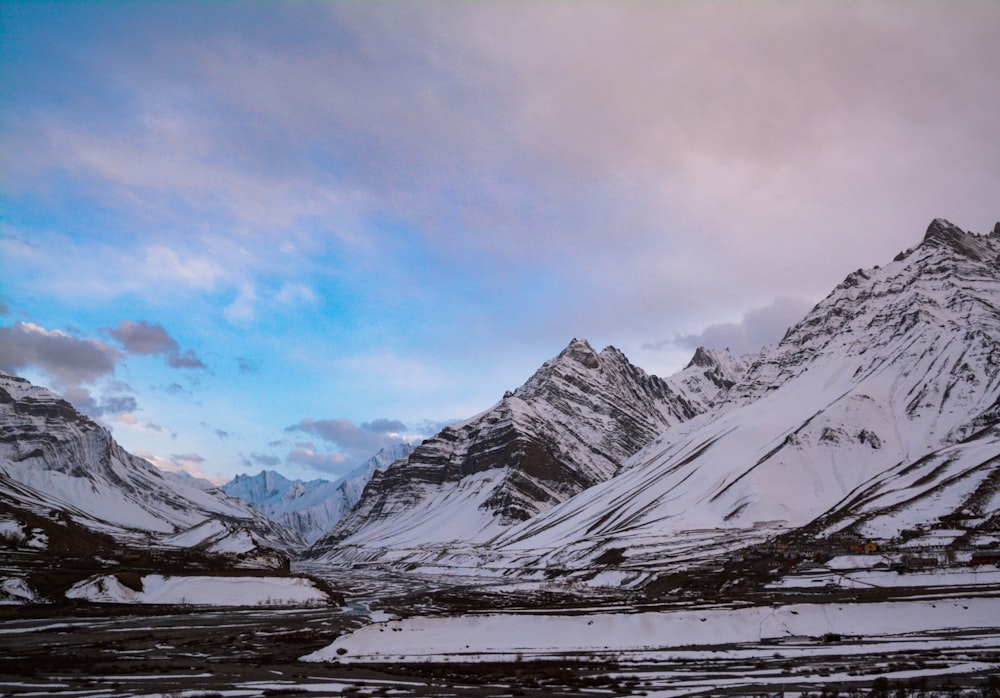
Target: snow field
[203, 591]
[495, 636]
[859, 579]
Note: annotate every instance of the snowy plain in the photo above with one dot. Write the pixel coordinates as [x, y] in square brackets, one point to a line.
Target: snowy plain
[641, 636]
[202, 591]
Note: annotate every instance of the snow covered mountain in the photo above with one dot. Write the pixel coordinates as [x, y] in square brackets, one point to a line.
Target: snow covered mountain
[875, 417]
[59, 466]
[311, 508]
[567, 428]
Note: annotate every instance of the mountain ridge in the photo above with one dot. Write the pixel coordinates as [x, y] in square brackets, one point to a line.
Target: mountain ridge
[568, 427]
[876, 414]
[874, 408]
[55, 459]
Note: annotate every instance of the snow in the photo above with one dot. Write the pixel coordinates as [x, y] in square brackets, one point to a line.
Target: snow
[16, 591]
[496, 636]
[202, 591]
[457, 512]
[856, 562]
[197, 534]
[215, 537]
[11, 529]
[861, 579]
[14, 532]
[240, 541]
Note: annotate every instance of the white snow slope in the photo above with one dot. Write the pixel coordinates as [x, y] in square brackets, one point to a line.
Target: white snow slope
[202, 591]
[310, 508]
[876, 412]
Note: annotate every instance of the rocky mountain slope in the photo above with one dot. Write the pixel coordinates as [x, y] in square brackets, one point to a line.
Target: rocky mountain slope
[567, 428]
[59, 466]
[311, 508]
[875, 417]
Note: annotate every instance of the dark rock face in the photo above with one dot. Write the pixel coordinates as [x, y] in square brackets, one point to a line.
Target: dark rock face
[569, 427]
[943, 233]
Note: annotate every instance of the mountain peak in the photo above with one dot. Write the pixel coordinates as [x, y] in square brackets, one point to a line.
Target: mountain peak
[702, 357]
[580, 351]
[942, 228]
[943, 233]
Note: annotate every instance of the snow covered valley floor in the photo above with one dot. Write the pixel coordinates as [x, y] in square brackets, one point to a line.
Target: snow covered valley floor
[399, 637]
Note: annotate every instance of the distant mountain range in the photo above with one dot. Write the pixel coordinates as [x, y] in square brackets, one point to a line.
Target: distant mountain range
[877, 417]
[310, 508]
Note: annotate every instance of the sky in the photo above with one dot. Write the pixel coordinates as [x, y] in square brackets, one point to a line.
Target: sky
[278, 235]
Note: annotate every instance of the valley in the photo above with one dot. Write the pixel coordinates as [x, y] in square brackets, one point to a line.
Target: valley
[821, 517]
[409, 636]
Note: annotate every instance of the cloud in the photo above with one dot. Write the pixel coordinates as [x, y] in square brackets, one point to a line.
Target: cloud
[161, 275]
[190, 463]
[358, 442]
[262, 459]
[631, 150]
[243, 308]
[144, 338]
[74, 364]
[427, 427]
[130, 420]
[119, 405]
[295, 294]
[70, 359]
[759, 327]
[247, 366]
[186, 359]
[221, 433]
[384, 426]
[334, 463]
[198, 272]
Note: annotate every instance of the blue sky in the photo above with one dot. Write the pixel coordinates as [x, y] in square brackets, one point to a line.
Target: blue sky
[281, 235]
